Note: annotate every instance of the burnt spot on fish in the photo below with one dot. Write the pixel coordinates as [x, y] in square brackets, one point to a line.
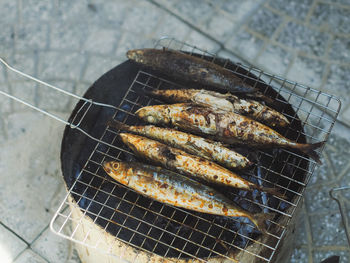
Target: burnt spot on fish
[165, 151]
[224, 209]
[215, 177]
[210, 206]
[164, 185]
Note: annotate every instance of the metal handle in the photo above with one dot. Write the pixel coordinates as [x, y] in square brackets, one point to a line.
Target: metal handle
[71, 124]
[342, 212]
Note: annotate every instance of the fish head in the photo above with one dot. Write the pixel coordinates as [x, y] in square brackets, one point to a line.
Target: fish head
[112, 167]
[136, 55]
[153, 114]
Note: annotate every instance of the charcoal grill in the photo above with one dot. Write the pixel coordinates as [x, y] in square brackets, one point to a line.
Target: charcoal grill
[120, 223]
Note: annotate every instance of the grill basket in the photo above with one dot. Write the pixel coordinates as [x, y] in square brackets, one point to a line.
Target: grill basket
[317, 112]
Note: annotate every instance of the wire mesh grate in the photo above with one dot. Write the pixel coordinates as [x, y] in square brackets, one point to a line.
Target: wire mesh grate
[177, 233]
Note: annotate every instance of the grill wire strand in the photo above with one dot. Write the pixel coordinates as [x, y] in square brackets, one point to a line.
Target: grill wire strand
[317, 111]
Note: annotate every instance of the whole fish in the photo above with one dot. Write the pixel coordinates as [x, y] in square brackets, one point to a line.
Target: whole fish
[192, 165]
[228, 127]
[174, 189]
[226, 102]
[190, 143]
[190, 68]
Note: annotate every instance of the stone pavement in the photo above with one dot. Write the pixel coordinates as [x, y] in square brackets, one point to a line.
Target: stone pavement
[71, 43]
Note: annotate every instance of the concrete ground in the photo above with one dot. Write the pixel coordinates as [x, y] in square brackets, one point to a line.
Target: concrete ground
[71, 43]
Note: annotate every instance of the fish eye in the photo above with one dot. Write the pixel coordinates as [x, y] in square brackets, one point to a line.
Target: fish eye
[151, 119]
[115, 166]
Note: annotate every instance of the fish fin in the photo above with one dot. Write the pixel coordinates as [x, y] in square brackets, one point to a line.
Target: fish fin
[260, 219]
[117, 125]
[309, 149]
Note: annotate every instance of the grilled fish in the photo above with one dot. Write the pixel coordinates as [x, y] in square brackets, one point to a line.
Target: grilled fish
[174, 189]
[190, 143]
[226, 102]
[190, 68]
[178, 160]
[229, 127]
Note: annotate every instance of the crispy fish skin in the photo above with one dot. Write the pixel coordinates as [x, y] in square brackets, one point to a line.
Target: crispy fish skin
[226, 102]
[190, 68]
[179, 160]
[174, 189]
[190, 143]
[229, 127]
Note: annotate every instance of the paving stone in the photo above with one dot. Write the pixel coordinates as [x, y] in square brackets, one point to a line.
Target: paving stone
[307, 71]
[112, 13]
[75, 10]
[53, 64]
[172, 27]
[338, 80]
[7, 35]
[318, 199]
[32, 35]
[304, 39]
[331, 17]
[323, 173]
[221, 27]
[5, 102]
[29, 256]
[320, 255]
[97, 66]
[275, 59]
[346, 114]
[24, 62]
[239, 10]
[195, 11]
[301, 232]
[297, 9]
[327, 230]
[265, 22]
[8, 12]
[25, 90]
[101, 41]
[64, 35]
[36, 10]
[142, 14]
[34, 172]
[340, 155]
[10, 245]
[299, 255]
[51, 100]
[245, 44]
[340, 49]
[52, 247]
[197, 39]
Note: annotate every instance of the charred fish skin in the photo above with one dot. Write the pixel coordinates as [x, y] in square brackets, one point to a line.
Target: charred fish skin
[229, 127]
[178, 160]
[190, 143]
[225, 102]
[190, 68]
[176, 190]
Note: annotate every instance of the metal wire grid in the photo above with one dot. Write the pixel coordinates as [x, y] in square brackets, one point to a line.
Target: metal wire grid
[318, 111]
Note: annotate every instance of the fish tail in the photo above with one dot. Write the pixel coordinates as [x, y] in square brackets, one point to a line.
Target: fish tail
[118, 125]
[260, 219]
[272, 191]
[309, 149]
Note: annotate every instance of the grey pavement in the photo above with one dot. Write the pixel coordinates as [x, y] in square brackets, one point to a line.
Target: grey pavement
[71, 43]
